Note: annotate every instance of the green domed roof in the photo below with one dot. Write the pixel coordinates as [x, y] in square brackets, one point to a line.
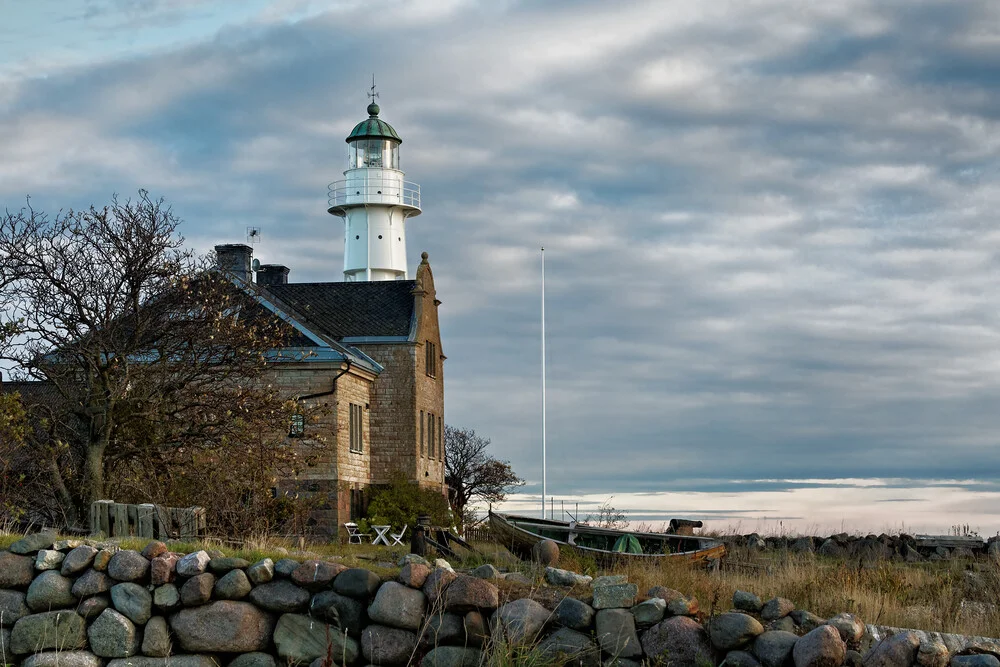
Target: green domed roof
[373, 127]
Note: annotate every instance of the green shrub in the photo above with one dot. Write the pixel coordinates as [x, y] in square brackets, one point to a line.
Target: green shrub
[401, 501]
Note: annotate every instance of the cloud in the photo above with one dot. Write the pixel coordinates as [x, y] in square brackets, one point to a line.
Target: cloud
[770, 238]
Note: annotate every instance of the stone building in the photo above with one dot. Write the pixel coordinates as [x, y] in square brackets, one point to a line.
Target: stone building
[370, 348]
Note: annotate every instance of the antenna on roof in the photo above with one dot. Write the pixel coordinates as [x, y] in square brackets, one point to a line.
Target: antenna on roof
[253, 234]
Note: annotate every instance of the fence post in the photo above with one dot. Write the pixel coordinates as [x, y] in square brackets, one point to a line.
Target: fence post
[144, 515]
[99, 520]
[119, 513]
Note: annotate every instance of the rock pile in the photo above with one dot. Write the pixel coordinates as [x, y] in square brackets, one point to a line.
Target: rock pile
[868, 548]
[72, 604]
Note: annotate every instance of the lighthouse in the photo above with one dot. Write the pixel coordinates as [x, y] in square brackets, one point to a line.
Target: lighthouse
[375, 201]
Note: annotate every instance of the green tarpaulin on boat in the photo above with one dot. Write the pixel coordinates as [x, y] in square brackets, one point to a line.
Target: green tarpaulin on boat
[627, 544]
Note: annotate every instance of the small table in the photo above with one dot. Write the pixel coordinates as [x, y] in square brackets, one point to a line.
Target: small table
[380, 537]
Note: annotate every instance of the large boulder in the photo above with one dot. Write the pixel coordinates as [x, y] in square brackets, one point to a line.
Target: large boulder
[340, 611]
[475, 625]
[198, 589]
[301, 639]
[226, 564]
[163, 568]
[545, 552]
[615, 596]
[224, 626]
[678, 641]
[452, 656]
[398, 606]
[15, 571]
[414, 574]
[733, 630]
[382, 645]
[261, 572]
[134, 601]
[486, 571]
[234, 585]
[774, 648]
[821, 647]
[127, 565]
[193, 564]
[437, 583]
[357, 583]
[29, 544]
[92, 582]
[48, 559]
[557, 577]
[649, 612]
[78, 560]
[740, 659]
[616, 633]
[568, 647]
[806, 620]
[899, 650]
[154, 549]
[575, 614]
[746, 601]
[315, 575]
[166, 597]
[975, 660]
[519, 622]
[467, 593]
[62, 630]
[92, 607]
[285, 567]
[776, 608]
[12, 607]
[112, 635]
[933, 652]
[851, 629]
[443, 628]
[50, 590]
[62, 659]
[280, 596]
[156, 638]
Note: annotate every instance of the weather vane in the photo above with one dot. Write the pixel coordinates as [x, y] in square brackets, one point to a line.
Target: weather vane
[373, 94]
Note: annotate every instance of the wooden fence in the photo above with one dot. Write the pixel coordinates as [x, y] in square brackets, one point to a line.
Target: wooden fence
[479, 534]
[148, 521]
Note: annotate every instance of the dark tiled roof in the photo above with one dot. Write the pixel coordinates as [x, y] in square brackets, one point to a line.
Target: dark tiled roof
[339, 310]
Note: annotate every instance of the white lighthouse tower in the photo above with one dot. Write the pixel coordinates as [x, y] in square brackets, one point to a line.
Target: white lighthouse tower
[374, 201]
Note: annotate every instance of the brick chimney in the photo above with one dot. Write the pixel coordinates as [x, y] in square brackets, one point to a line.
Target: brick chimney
[234, 258]
[272, 274]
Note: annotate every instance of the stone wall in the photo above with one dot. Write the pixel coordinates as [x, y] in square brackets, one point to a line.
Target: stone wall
[872, 547]
[73, 604]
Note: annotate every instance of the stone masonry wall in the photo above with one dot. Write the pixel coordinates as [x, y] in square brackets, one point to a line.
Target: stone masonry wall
[329, 470]
[78, 604]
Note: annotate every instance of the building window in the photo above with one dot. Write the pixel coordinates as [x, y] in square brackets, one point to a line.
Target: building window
[423, 445]
[359, 504]
[431, 362]
[430, 434]
[357, 416]
[441, 438]
[297, 427]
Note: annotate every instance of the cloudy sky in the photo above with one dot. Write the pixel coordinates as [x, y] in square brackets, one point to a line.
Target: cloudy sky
[770, 227]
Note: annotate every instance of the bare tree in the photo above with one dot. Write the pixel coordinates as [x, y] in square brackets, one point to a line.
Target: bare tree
[155, 367]
[472, 474]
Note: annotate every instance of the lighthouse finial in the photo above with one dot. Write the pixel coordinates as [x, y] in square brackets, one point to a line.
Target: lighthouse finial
[373, 107]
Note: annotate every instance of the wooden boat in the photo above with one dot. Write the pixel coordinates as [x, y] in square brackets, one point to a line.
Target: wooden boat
[606, 545]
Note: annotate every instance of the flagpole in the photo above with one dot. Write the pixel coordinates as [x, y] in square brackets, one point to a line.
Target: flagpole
[543, 385]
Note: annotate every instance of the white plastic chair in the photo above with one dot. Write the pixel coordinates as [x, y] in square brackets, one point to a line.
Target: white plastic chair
[397, 538]
[354, 534]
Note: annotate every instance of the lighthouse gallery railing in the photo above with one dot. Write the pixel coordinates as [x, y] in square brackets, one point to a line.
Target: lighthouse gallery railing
[373, 191]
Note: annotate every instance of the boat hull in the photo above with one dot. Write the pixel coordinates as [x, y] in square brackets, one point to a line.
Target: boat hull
[520, 534]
